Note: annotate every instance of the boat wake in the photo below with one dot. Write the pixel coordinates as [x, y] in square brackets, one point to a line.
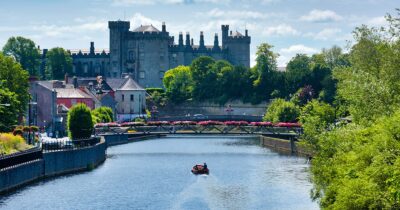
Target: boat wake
[206, 192]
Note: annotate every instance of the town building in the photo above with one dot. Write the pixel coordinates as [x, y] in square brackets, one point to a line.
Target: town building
[147, 52]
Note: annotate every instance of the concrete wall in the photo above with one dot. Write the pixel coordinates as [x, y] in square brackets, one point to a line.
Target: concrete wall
[22, 174]
[115, 139]
[286, 146]
[61, 162]
[53, 163]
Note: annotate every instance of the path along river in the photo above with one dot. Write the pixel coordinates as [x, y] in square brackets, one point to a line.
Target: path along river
[155, 174]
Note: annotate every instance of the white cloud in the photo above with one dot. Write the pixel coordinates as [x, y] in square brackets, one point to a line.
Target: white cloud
[321, 16]
[280, 30]
[236, 14]
[325, 34]
[138, 19]
[153, 2]
[298, 49]
[377, 21]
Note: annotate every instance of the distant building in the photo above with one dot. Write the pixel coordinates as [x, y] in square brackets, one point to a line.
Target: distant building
[146, 53]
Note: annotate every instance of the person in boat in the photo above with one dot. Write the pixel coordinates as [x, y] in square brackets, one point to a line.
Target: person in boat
[205, 166]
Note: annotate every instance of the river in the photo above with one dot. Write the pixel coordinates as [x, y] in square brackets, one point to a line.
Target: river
[155, 174]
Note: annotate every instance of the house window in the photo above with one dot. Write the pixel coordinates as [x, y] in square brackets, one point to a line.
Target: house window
[141, 75]
[123, 97]
[132, 97]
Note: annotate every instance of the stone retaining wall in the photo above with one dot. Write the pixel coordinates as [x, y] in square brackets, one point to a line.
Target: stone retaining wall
[286, 146]
[53, 163]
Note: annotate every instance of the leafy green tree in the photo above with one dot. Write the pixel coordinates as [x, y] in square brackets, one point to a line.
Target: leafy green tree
[15, 80]
[178, 84]
[204, 78]
[234, 83]
[79, 122]
[8, 114]
[264, 71]
[370, 85]
[102, 115]
[316, 118]
[59, 62]
[298, 72]
[25, 52]
[280, 110]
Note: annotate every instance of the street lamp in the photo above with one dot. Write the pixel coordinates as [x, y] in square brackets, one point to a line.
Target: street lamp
[30, 119]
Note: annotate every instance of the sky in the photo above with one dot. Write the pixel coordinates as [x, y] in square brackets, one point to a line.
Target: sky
[291, 26]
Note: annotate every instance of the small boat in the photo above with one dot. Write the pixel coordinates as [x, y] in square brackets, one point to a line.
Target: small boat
[200, 169]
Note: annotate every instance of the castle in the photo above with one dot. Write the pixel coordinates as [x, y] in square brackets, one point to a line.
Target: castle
[146, 53]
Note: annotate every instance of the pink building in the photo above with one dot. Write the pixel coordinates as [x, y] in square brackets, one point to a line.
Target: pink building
[72, 96]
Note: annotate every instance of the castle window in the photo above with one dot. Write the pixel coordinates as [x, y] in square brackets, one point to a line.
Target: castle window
[123, 97]
[132, 97]
[130, 56]
[141, 75]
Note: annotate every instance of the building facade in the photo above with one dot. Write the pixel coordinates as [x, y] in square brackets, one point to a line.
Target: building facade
[146, 53]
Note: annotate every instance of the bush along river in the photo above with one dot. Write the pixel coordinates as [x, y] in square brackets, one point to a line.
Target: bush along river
[155, 174]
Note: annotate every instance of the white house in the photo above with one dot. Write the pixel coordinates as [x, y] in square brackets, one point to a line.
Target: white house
[131, 100]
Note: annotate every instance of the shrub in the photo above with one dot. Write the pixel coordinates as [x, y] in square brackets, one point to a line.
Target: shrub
[10, 143]
[34, 128]
[282, 111]
[102, 115]
[18, 131]
[79, 122]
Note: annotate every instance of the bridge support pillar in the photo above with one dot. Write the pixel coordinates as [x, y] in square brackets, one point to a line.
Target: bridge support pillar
[293, 148]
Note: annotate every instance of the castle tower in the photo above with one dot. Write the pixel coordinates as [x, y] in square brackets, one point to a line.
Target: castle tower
[201, 43]
[91, 48]
[225, 30]
[180, 42]
[237, 46]
[118, 29]
[216, 44]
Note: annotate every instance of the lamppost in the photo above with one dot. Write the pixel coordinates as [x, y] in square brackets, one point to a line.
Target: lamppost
[229, 111]
[30, 119]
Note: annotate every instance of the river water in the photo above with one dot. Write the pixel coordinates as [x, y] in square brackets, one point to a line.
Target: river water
[155, 174]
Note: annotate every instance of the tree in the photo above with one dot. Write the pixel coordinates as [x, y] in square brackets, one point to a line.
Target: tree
[102, 115]
[316, 117]
[25, 52]
[264, 71]
[178, 84]
[298, 72]
[204, 78]
[280, 110]
[58, 63]
[79, 122]
[8, 114]
[14, 80]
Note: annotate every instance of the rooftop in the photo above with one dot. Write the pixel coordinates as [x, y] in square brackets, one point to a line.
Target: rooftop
[71, 93]
[146, 28]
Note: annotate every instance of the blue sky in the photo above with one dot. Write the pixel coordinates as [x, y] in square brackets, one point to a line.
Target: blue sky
[291, 26]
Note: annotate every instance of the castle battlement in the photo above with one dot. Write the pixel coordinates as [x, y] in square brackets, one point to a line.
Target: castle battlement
[147, 52]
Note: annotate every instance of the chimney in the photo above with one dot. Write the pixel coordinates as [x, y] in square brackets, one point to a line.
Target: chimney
[191, 42]
[180, 39]
[187, 39]
[75, 81]
[216, 40]
[201, 39]
[246, 32]
[164, 27]
[92, 48]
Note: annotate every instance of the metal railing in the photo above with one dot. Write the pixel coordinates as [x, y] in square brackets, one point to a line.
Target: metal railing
[57, 145]
[20, 157]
